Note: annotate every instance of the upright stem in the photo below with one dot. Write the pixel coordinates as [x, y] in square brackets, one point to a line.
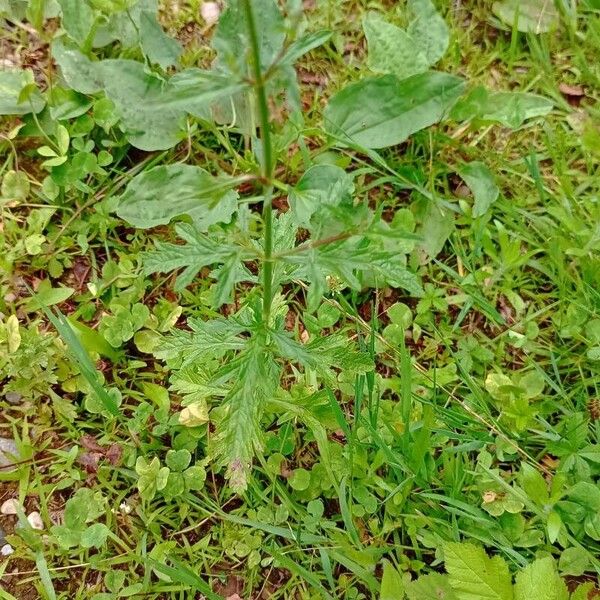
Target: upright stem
[268, 163]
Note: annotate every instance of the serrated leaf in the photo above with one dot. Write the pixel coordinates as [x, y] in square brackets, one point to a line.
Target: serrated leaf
[156, 196]
[239, 436]
[540, 580]
[433, 586]
[529, 16]
[12, 85]
[378, 112]
[206, 340]
[349, 260]
[481, 182]
[195, 383]
[323, 355]
[200, 250]
[156, 45]
[474, 575]
[392, 584]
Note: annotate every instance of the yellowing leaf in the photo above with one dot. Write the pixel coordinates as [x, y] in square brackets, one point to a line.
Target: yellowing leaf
[12, 332]
[194, 415]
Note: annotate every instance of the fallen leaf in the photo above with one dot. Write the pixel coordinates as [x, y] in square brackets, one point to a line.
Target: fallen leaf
[571, 90]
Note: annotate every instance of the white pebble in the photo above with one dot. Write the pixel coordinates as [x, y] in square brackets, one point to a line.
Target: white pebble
[210, 12]
[9, 507]
[35, 520]
[125, 508]
[6, 550]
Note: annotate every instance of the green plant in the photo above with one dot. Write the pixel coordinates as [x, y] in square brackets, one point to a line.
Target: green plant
[472, 575]
[428, 369]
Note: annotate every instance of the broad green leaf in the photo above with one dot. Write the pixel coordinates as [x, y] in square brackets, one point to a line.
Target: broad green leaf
[481, 182]
[391, 49]
[534, 484]
[433, 586]
[94, 536]
[305, 44]
[404, 53]
[437, 224]
[156, 196]
[15, 186]
[392, 585]
[77, 19]
[49, 296]
[178, 460]
[152, 477]
[230, 39]
[67, 104]
[574, 561]
[510, 109]
[530, 16]
[300, 480]
[194, 478]
[157, 46]
[475, 576]
[428, 31]
[78, 71]
[540, 580]
[19, 94]
[196, 90]
[377, 112]
[326, 192]
[139, 97]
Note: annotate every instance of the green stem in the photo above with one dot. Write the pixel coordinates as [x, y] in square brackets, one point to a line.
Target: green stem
[268, 164]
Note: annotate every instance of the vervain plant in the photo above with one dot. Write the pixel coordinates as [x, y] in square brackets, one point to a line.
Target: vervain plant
[328, 240]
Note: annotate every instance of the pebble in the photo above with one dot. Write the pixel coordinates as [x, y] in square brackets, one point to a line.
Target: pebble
[9, 507]
[6, 550]
[13, 397]
[35, 520]
[9, 453]
[210, 12]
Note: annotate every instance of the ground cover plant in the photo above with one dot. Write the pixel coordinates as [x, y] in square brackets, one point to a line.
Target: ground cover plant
[299, 300]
